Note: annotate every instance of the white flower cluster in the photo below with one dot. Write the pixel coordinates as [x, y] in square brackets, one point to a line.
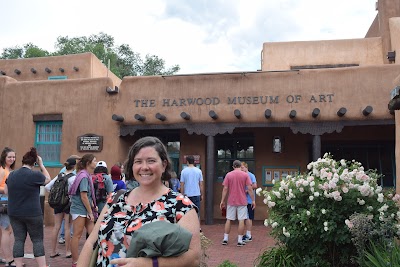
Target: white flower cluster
[327, 180]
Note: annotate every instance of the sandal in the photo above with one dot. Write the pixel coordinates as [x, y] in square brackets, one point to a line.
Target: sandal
[55, 255]
[10, 264]
[69, 256]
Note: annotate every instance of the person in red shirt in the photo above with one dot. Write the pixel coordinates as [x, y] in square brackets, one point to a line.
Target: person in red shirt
[234, 184]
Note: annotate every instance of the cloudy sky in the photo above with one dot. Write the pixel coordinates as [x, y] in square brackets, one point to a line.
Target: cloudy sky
[199, 35]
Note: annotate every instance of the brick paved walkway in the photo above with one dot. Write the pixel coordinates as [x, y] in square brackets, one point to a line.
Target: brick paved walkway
[241, 256]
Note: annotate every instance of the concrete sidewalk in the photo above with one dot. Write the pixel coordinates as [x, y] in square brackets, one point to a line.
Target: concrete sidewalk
[217, 253]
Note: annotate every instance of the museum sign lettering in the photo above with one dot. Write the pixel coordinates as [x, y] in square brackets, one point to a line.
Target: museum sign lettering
[232, 100]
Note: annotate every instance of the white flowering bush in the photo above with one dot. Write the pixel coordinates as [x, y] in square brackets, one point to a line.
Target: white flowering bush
[310, 213]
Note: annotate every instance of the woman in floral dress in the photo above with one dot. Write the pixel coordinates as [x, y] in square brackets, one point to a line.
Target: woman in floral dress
[148, 162]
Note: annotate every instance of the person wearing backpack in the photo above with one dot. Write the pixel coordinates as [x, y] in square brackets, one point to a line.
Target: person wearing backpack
[58, 199]
[102, 183]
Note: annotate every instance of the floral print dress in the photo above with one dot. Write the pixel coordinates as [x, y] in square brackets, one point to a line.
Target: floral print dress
[122, 220]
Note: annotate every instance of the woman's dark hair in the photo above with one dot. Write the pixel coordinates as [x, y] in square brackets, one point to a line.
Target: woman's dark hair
[69, 166]
[148, 141]
[30, 157]
[84, 162]
[3, 157]
[101, 169]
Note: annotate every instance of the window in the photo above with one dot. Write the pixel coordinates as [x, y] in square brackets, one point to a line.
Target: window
[48, 142]
[57, 77]
[232, 147]
[379, 156]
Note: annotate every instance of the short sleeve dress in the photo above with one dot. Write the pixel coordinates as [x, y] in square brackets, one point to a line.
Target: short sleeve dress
[122, 220]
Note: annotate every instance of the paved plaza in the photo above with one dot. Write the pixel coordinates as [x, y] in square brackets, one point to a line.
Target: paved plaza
[241, 256]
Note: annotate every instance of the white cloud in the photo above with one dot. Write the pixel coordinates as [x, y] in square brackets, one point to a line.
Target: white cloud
[200, 36]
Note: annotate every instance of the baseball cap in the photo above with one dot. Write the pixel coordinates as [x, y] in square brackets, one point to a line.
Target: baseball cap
[101, 164]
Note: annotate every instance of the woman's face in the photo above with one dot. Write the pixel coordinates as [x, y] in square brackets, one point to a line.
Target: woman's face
[10, 158]
[148, 167]
[92, 164]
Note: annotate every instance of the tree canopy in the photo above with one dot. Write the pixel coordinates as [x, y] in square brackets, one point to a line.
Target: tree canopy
[123, 60]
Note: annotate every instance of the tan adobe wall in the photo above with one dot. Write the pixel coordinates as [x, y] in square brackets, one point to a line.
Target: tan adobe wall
[283, 55]
[82, 61]
[326, 89]
[394, 24]
[87, 63]
[84, 104]
[387, 9]
[101, 70]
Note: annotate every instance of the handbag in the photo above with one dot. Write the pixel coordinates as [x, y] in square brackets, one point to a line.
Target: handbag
[93, 258]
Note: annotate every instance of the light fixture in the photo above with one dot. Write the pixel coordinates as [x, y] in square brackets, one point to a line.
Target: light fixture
[185, 116]
[3, 72]
[237, 113]
[61, 69]
[341, 112]
[118, 118]
[268, 113]
[213, 114]
[292, 114]
[277, 144]
[315, 112]
[391, 56]
[33, 70]
[367, 110]
[47, 70]
[112, 91]
[76, 68]
[17, 71]
[161, 117]
[140, 117]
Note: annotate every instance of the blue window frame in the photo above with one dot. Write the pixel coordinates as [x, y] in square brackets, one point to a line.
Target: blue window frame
[57, 77]
[48, 142]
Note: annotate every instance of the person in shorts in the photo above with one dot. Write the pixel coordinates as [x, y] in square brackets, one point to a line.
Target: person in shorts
[234, 189]
[249, 221]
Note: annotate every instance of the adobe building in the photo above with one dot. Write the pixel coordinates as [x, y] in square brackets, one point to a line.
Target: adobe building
[308, 98]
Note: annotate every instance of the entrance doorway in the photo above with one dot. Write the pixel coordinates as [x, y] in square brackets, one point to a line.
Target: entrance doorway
[233, 147]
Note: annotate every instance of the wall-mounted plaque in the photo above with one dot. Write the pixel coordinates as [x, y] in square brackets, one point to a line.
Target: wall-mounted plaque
[277, 173]
[90, 143]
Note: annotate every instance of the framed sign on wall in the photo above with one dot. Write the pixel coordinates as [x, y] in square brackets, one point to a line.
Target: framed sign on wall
[277, 173]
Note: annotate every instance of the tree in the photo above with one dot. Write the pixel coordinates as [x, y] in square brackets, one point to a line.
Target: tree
[27, 51]
[156, 65]
[123, 60]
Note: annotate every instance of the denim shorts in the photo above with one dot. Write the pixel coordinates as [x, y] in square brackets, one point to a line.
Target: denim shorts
[4, 221]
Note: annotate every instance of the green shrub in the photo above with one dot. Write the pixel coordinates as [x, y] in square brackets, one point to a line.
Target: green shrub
[227, 263]
[277, 257]
[382, 255]
[310, 213]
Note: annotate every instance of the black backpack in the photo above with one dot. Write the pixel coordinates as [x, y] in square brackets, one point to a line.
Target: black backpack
[58, 196]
